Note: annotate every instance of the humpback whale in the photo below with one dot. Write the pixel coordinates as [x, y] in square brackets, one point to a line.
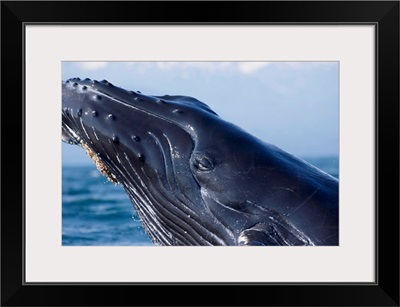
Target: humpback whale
[194, 178]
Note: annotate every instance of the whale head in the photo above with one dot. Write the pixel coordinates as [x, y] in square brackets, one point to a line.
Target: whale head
[194, 178]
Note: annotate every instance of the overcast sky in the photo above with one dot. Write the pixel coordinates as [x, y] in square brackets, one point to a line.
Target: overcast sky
[294, 105]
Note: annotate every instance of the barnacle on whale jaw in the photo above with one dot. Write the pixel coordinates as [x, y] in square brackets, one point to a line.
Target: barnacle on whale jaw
[103, 169]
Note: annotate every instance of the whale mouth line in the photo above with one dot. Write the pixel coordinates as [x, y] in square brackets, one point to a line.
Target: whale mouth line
[100, 165]
[68, 134]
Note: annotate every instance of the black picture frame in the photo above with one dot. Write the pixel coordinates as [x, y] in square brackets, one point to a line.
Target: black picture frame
[383, 14]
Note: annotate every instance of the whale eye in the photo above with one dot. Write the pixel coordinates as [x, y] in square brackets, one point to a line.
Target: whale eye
[203, 163]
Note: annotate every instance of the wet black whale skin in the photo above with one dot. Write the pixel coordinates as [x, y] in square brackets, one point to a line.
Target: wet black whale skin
[195, 179]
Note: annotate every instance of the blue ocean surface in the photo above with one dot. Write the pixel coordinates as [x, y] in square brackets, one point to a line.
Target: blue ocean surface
[95, 212]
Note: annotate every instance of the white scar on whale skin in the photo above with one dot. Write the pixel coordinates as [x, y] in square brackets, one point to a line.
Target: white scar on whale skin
[304, 202]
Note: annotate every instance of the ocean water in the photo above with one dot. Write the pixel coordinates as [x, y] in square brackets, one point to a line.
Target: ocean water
[96, 212]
